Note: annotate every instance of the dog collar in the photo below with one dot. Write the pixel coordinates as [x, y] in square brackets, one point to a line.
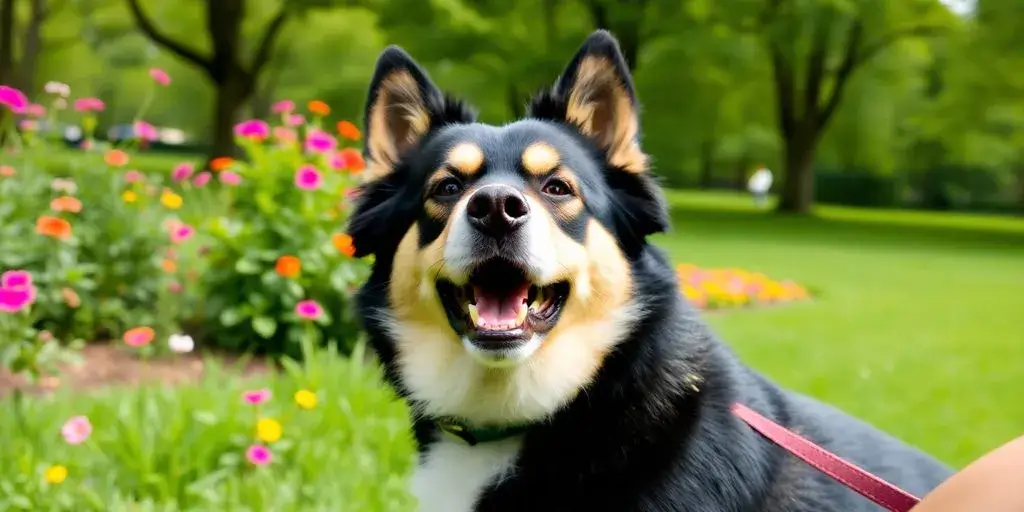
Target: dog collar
[475, 435]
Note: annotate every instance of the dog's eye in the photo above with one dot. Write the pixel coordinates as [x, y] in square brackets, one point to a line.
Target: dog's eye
[447, 188]
[556, 187]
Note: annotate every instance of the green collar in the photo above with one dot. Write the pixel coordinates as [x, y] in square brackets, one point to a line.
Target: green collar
[474, 435]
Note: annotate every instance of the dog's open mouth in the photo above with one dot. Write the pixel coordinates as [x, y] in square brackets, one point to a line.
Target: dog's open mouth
[500, 305]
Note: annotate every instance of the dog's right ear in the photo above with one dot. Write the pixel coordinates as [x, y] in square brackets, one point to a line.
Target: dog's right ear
[402, 108]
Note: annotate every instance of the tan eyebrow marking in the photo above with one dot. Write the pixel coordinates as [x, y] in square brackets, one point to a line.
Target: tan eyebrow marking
[466, 157]
[540, 158]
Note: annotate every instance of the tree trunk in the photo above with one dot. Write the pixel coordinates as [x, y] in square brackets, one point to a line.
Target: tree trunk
[231, 95]
[797, 193]
[739, 177]
[32, 48]
[1020, 188]
[707, 164]
[6, 41]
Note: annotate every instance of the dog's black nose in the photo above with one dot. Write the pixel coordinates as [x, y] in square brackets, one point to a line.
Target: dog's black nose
[497, 210]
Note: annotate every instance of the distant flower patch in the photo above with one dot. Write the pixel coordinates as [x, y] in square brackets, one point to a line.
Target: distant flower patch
[725, 288]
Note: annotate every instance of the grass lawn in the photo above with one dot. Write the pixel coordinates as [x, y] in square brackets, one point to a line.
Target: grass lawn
[917, 327]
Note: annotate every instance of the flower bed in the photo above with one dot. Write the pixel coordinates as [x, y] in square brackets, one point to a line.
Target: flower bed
[723, 288]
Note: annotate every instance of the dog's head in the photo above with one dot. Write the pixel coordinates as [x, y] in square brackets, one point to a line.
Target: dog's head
[504, 254]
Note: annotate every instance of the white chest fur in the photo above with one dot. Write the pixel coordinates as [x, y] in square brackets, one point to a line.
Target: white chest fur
[453, 474]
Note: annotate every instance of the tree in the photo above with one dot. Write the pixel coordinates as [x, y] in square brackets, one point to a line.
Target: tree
[815, 47]
[233, 80]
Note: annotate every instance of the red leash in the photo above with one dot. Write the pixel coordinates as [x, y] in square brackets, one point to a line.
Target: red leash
[870, 486]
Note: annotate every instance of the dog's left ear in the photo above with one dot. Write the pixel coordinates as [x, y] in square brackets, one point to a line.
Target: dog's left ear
[595, 95]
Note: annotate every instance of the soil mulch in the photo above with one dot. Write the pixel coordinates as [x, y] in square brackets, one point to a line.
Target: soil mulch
[104, 365]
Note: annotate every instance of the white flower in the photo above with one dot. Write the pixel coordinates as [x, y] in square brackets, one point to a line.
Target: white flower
[60, 104]
[57, 88]
[181, 343]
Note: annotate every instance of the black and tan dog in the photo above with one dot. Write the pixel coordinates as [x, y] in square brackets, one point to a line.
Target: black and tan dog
[515, 303]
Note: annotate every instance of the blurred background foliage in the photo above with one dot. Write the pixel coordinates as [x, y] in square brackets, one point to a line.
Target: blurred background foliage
[915, 103]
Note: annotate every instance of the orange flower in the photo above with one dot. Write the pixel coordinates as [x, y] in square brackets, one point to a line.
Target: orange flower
[7, 171]
[343, 243]
[70, 297]
[353, 160]
[221, 162]
[318, 107]
[116, 158]
[288, 266]
[169, 266]
[139, 336]
[55, 227]
[347, 130]
[66, 204]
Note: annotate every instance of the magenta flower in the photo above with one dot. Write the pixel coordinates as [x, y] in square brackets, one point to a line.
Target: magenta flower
[182, 172]
[337, 161]
[256, 396]
[146, 131]
[201, 179]
[160, 76]
[296, 120]
[76, 430]
[13, 99]
[89, 105]
[182, 232]
[35, 110]
[319, 141]
[17, 279]
[133, 176]
[258, 455]
[309, 309]
[255, 129]
[308, 177]
[283, 107]
[230, 178]
[13, 300]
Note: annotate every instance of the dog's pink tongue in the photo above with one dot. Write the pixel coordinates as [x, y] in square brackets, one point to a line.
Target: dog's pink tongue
[501, 309]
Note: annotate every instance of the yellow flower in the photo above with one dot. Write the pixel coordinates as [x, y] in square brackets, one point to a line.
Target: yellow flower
[170, 200]
[305, 398]
[268, 430]
[55, 474]
[129, 196]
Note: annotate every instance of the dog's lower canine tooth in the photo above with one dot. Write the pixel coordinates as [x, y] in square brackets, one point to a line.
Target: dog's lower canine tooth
[474, 315]
[521, 315]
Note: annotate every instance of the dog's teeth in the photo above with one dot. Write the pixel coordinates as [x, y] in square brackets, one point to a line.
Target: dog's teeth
[521, 315]
[537, 301]
[474, 315]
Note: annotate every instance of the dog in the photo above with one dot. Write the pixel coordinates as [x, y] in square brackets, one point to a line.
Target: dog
[548, 358]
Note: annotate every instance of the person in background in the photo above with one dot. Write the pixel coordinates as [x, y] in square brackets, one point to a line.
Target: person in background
[759, 184]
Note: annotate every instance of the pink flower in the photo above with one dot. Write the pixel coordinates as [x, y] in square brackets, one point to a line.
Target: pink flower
[89, 105]
[258, 455]
[230, 178]
[133, 176]
[139, 336]
[284, 134]
[182, 172]
[256, 396]
[35, 110]
[14, 300]
[283, 107]
[146, 131]
[309, 309]
[13, 99]
[308, 177]
[201, 179]
[160, 76]
[296, 120]
[319, 141]
[174, 287]
[337, 161]
[17, 279]
[182, 232]
[28, 125]
[255, 129]
[76, 430]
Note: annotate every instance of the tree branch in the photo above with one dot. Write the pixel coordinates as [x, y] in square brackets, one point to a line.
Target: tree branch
[785, 90]
[267, 43]
[816, 65]
[870, 51]
[149, 29]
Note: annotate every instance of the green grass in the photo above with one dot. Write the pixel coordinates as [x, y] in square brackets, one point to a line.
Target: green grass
[915, 327]
[917, 324]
